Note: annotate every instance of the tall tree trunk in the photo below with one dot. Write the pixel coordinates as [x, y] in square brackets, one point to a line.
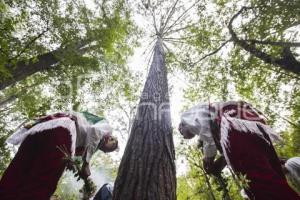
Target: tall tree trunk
[147, 170]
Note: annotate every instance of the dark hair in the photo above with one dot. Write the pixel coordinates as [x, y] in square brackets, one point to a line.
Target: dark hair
[103, 147]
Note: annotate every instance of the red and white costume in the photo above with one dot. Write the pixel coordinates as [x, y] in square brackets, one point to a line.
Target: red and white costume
[246, 143]
[35, 170]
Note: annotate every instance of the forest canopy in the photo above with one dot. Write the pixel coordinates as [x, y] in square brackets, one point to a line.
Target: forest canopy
[61, 55]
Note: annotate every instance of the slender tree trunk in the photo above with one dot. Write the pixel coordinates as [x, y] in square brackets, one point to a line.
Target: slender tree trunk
[147, 170]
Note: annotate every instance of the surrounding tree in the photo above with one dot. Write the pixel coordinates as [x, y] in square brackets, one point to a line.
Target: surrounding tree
[65, 54]
[43, 35]
[237, 50]
[99, 74]
[199, 185]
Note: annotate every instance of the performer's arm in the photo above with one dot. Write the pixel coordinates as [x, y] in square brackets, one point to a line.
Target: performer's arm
[212, 166]
[282, 162]
[219, 165]
[85, 168]
[208, 163]
[209, 152]
[92, 140]
[209, 148]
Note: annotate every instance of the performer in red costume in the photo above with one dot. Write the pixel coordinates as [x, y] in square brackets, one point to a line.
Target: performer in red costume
[39, 163]
[241, 134]
[291, 168]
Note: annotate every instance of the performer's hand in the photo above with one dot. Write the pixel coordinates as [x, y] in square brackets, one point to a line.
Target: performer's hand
[208, 164]
[283, 160]
[85, 170]
[70, 166]
[218, 166]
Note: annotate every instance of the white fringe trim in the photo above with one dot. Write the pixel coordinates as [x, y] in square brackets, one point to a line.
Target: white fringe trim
[293, 166]
[225, 127]
[243, 194]
[19, 136]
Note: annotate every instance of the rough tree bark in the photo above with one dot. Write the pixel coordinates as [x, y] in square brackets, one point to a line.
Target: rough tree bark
[147, 170]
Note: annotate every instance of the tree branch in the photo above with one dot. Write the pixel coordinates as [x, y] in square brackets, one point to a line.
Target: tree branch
[169, 16]
[287, 62]
[293, 24]
[213, 52]
[273, 43]
[154, 22]
[205, 176]
[43, 62]
[179, 29]
[182, 15]
[175, 41]
[30, 43]
[7, 100]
